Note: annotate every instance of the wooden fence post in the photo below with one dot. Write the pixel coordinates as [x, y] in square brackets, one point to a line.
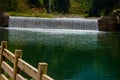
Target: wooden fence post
[42, 69]
[18, 54]
[3, 45]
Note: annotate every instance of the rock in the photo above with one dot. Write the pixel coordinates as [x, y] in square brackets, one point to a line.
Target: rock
[4, 19]
[116, 14]
[110, 23]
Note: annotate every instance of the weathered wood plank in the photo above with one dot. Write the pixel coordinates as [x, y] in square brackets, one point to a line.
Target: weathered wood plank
[3, 46]
[42, 69]
[3, 77]
[9, 55]
[19, 77]
[27, 68]
[46, 77]
[0, 47]
[18, 54]
[7, 69]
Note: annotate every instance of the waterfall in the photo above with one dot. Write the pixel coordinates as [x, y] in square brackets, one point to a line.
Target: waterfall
[53, 23]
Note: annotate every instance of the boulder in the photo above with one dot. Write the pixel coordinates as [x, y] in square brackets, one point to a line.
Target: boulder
[4, 19]
[116, 14]
[110, 23]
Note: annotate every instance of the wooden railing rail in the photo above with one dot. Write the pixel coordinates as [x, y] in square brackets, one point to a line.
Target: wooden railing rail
[19, 64]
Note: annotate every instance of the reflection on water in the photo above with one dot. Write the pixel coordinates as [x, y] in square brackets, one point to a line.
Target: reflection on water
[71, 54]
[4, 34]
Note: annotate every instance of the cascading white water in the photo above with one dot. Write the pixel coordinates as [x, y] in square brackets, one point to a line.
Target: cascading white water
[54, 23]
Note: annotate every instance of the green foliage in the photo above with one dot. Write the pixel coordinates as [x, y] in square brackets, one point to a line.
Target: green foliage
[91, 7]
[5, 5]
[35, 3]
[22, 6]
[103, 7]
[61, 6]
[10, 5]
[80, 6]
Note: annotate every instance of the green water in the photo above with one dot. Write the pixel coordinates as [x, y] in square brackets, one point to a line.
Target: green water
[70, 54]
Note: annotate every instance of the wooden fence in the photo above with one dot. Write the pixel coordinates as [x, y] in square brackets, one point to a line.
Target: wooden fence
[19, 64]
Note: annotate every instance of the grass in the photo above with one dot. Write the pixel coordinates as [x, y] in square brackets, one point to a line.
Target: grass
[44, 15]
[31, 14]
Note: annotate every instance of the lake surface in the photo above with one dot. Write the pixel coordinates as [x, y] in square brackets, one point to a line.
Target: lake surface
[70, 54]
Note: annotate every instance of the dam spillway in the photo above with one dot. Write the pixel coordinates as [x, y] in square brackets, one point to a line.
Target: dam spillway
[53, 23]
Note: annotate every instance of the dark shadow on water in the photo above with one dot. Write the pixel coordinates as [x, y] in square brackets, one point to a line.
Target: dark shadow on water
[4, 34]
